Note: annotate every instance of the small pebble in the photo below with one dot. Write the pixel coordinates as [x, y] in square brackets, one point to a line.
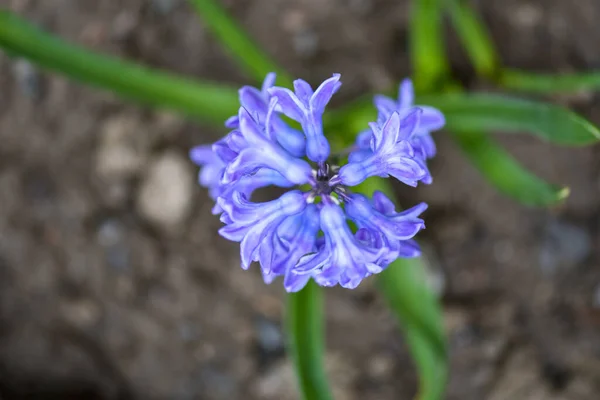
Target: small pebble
[165, 195]
[164, 6]
[269, 336]
[563, 246]
[111, 236]
[28, 78]
[306, 43]
[122, 148]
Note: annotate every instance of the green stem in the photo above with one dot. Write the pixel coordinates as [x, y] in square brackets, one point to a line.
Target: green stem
[305, 341]
[209, 101]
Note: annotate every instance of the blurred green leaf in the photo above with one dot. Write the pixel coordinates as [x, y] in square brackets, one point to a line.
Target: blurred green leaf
[474, 37]
[430, 66]
[237, 41]
[488, 112]
[506, 174]
[549, 83]
[305, 341]
[208, 101]
[403, 285]
[484, 113]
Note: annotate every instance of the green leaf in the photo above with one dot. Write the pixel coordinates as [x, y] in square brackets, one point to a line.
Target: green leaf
[474, 37]
[488, 112]
[430, 66]
[254, 61]
[506, 174]
[403, 285]
[305, 341]
[549, 83]
[208, 101]
[484, 113]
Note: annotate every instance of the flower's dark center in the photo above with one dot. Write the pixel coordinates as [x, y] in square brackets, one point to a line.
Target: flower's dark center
[327, 182]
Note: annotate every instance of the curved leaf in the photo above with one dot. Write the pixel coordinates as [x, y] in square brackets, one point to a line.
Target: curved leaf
[237, 41]
[506, 174]
[305, 341]
[403, 286]
[430, 66]
[488, 112]
[485, 113]
[209, 101]
[549, 83]
[474, 37]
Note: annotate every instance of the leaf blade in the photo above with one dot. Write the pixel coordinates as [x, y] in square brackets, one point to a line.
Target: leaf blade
[427, 50]
[253, 59]
[505, 173]
[487, 112]
[304, 323]
[474, 37]
[523, 81]
[209, 101]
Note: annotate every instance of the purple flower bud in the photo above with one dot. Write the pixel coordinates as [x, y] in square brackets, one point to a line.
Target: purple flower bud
[395, 227]
[391, 154]
[342, 259]
[251, 222]
[264, 153]
[307, 107]
[431, 118]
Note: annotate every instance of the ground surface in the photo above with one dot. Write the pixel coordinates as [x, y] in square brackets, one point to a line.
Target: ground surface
[115, 285]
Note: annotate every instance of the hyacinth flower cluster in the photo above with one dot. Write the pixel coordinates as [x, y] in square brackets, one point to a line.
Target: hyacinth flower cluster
[305, 233]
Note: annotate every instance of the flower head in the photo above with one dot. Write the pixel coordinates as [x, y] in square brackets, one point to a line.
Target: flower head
[430, 120]
[304, 234]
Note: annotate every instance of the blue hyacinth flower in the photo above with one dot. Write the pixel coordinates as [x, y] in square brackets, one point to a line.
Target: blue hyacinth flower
[305, 233]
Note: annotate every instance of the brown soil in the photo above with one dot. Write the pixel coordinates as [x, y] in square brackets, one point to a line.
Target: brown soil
[104, 295]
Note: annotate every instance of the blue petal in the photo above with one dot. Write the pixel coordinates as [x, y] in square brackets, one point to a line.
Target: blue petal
[212, 168]
[432, 119]
[383, 204]
[263, 153]
[394, 226]
[294, 282]
[323, 94]
[252, 223]
[253, 101]
[232, 122]
[303, 90]
[363, 140]
[391, 155]
[359, 155]
[298, 238]
[290, 139]
[406, 94]
[409, 249]
[343, 259]
[309, 112]
[268, 83]
[223, 151]
[288, 103]
[249, 183]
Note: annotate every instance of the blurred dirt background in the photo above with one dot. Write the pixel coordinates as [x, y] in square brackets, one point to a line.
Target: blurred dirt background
[114, 283]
